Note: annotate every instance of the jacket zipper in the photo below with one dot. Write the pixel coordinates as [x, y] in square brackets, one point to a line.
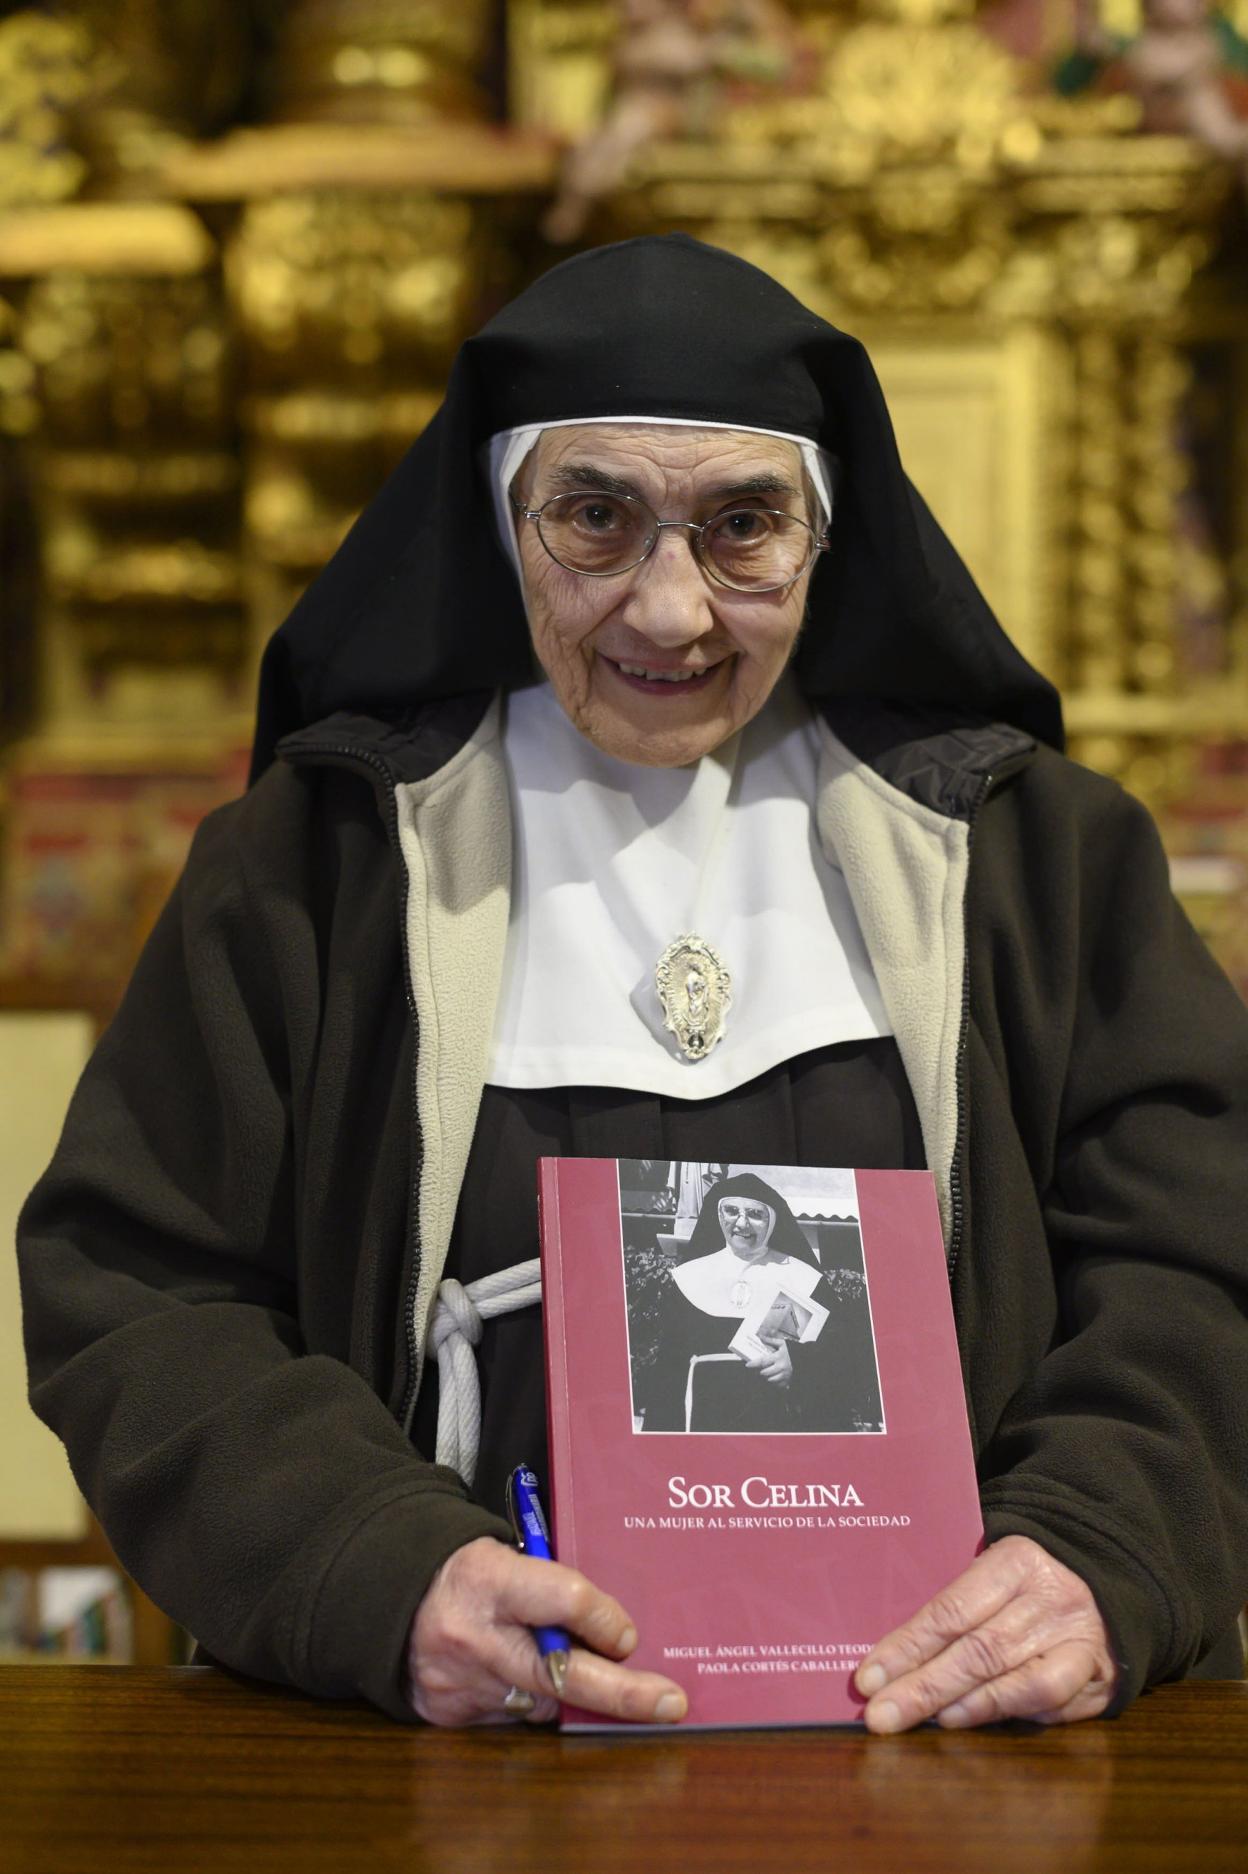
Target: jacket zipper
[956, 1206]
[359, 759]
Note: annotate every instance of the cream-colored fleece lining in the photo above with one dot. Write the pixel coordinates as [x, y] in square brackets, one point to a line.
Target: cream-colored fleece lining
[455, 836]
[906, 867]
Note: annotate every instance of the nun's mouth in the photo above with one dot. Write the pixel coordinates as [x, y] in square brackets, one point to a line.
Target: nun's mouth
[664, 680]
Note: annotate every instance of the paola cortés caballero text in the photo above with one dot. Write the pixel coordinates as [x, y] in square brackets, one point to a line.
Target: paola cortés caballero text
[756, 1493]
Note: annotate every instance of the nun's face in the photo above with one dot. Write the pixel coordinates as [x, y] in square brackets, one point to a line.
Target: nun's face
[747, 1224]
[660, 664]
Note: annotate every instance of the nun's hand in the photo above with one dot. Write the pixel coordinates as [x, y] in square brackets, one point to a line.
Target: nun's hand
[1017, 1635]
[776, 1365]
[471, 1642]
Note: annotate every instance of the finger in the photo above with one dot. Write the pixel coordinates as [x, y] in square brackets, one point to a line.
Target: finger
[453, 1706]
[598, 1685]
[484, 1705]
[546, 1594]
[977, 1594]
[1045, 1683]
[1024, 1628]
[545, 1705]
[1090, 1703]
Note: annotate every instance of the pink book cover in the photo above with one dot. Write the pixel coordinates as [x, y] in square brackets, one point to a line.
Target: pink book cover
[763, 1534]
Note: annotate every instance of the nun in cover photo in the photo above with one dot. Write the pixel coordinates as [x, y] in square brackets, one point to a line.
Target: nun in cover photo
[809, 1365]
[646, 777]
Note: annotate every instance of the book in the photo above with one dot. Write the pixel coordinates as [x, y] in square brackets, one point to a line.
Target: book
[758, 1431]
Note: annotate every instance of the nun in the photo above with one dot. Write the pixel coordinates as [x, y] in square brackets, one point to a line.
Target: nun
[748, 1253]
[645, 776]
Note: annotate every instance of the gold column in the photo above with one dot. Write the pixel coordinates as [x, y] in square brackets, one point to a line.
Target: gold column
[349, 307]
[136, 481]
[224, 349]
[141, 626]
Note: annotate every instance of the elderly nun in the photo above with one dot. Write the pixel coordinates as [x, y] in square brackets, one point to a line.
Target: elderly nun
[645, 776]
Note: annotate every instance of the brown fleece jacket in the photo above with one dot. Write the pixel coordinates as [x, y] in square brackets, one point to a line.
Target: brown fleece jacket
[214, 1266]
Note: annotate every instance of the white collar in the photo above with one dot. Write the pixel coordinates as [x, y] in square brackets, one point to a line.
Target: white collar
[613, 860]
[707, 1282]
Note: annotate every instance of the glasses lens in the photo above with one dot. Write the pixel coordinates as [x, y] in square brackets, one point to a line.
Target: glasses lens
[596, 533]
[751, 548]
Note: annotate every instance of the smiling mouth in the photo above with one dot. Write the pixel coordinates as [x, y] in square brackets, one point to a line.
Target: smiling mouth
[652, 681]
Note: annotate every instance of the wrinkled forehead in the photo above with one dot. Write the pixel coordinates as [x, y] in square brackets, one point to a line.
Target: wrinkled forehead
[685, 450]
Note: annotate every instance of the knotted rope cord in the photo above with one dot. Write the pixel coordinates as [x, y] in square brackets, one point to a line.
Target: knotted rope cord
[454, 1331]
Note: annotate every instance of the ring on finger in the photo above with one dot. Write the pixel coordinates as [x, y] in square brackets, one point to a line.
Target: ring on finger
[518, 1703]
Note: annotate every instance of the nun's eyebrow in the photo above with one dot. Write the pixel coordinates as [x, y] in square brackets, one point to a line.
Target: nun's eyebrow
[752, 485]
[585, 475]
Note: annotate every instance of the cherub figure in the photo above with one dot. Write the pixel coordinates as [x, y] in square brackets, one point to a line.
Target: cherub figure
[671, 60]
[1188, 67]
[1176, 68]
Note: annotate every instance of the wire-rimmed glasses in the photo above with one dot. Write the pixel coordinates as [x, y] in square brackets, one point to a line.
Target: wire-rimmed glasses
[747, 549]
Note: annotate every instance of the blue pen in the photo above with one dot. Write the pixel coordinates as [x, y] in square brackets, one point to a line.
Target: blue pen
[524, 1507]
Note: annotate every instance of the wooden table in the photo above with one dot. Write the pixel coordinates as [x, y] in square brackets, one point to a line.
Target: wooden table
[177, 1769]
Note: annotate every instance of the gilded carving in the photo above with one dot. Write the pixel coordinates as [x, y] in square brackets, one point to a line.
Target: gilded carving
[349, 306]
[46, 68]
[338, 280]
[19, 404]
[211, 358]
[134, 477]
[382, 61]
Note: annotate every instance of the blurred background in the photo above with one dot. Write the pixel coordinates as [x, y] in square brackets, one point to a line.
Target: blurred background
[239, 244]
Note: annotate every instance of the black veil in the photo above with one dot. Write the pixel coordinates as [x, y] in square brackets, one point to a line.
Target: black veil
[788, 1237]
[421, 603]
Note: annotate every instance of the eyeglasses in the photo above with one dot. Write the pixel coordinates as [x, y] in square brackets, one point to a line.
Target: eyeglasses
[745, 549]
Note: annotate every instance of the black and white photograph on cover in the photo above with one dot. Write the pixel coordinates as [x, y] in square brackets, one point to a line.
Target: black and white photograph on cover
[748, 1303]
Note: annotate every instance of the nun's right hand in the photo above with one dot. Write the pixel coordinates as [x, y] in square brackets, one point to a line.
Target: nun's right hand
[471, 1643]
[776, 1365]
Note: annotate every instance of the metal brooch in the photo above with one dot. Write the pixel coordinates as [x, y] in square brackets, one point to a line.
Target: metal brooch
[696, 992]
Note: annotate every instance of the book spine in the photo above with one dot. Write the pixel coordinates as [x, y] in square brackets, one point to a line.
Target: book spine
[554, 1330]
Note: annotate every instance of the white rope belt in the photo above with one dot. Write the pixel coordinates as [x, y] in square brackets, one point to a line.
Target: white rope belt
[458, 1315]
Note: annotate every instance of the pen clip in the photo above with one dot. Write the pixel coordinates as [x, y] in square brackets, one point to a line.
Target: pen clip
[513, 1510]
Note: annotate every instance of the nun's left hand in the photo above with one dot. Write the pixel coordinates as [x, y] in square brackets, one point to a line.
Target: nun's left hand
[1017, 1635]
[776, 1365]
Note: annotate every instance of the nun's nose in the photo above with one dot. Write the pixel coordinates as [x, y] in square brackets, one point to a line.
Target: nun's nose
[670, 598]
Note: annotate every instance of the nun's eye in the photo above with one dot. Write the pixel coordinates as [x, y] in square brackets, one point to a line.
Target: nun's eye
[744, 524]
[598, 517]
[595, 533]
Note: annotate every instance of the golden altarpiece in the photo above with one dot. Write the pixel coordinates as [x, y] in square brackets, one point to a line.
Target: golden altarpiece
[228, 302]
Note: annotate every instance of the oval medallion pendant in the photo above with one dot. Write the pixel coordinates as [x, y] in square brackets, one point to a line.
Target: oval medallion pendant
[696, 992]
